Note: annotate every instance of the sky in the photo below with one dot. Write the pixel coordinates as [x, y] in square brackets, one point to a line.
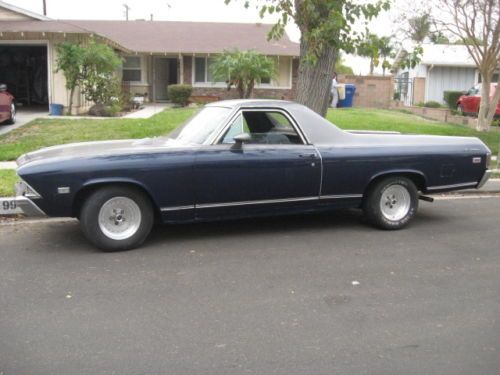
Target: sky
[192, 10]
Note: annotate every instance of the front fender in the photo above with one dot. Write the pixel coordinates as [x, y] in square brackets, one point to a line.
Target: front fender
[96, 182]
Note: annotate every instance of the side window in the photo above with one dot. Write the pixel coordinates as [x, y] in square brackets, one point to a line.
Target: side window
[264, 127]
[237, 127]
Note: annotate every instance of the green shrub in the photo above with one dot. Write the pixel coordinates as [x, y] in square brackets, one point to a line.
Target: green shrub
[396, 96]
[179, 94]
[451, 98]
[432, 104]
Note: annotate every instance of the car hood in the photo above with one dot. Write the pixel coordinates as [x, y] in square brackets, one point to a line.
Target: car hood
[100, 148]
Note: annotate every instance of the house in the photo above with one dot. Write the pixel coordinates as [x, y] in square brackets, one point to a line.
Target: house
[155, 54]
[443, 67]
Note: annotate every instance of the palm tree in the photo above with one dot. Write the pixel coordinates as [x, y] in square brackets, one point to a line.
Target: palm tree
[419, 27]
[386, 50]
[243, 69]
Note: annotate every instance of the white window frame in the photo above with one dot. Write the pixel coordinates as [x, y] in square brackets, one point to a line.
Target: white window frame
[206, 83]
[141, 68]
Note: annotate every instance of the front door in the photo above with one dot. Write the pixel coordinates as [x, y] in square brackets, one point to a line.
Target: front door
[275, 171]
[165, 73]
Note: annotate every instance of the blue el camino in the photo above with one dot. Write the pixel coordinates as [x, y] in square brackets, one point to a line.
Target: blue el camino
[243, 158]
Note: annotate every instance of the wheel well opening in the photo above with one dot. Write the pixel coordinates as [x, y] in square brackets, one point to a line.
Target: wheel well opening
[86, 191]
[416, 178]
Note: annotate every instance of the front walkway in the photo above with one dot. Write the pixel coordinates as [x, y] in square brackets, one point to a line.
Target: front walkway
[149, 110]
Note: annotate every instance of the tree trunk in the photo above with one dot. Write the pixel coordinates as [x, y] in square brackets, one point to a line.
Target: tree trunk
[487, 106]
[493, 106]
[241, 90]
[71, 93]
[314, 82]
[249, 90]
[372, 66]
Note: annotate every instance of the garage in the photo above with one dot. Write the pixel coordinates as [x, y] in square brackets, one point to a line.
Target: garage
[24, 69]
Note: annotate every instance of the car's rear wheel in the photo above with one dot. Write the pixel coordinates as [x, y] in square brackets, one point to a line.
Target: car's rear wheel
[12, 119]
[116, 218]
[391, 202]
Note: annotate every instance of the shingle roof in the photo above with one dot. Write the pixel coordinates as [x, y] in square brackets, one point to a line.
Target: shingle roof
[190, 37]
[169, 36]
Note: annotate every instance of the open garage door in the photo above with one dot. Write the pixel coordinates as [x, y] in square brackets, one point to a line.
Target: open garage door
[24, 69]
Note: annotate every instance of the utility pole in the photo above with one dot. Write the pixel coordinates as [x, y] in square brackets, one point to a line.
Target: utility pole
[44, 7]
[127, 8]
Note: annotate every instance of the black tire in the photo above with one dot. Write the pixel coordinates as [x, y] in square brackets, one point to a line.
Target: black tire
[12, 119]
[94, 230]
[375, 198]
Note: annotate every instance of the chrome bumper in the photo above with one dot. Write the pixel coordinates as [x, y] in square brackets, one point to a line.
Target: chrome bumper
[23, 203]
[485, 178]
[19, 205]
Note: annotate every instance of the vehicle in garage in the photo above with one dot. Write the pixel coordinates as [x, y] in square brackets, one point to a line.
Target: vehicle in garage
[244, 158]
[468, 104]
[7, 106]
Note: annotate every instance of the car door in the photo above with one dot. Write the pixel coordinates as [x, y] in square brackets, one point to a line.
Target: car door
[275, 171]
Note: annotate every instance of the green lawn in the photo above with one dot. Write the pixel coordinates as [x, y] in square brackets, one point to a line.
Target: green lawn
[379, 119]
[47, 132]
[8, 178]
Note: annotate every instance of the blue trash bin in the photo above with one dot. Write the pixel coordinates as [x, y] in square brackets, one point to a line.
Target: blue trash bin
[56, 109]
[350, 90]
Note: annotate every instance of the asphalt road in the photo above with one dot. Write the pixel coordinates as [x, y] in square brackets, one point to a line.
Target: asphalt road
[272, 296]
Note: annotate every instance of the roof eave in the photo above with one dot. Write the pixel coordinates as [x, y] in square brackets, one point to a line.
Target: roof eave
[25, 12]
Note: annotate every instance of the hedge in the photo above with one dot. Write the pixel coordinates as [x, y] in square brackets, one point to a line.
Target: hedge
[179, 94]
[451, 98]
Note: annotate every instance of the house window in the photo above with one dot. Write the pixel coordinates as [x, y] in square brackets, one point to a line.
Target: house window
[265, 80]
[203, 70]
[131, 70]
[200, 69]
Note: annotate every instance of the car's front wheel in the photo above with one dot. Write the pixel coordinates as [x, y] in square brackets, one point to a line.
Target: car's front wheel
[391, 202]
[116, 218]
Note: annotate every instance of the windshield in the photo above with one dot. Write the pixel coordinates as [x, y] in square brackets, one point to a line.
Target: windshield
[199, 129]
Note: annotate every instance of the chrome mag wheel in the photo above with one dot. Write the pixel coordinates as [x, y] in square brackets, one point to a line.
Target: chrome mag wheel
[395, 202]
[119, 218]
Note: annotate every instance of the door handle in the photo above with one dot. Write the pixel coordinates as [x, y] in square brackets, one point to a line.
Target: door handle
[307, 156]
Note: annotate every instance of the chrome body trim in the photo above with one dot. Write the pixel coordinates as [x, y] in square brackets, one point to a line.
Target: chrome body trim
[264, 201]
[321, 171]
[461, 185]
[178, 208]
[341, 196]
[484, 179]
[259, 202]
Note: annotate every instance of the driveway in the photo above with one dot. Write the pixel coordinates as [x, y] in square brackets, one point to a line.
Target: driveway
[322, 294]
[24, 115]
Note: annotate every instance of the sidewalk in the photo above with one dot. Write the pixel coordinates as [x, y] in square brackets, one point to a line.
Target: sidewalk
[149, 110]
